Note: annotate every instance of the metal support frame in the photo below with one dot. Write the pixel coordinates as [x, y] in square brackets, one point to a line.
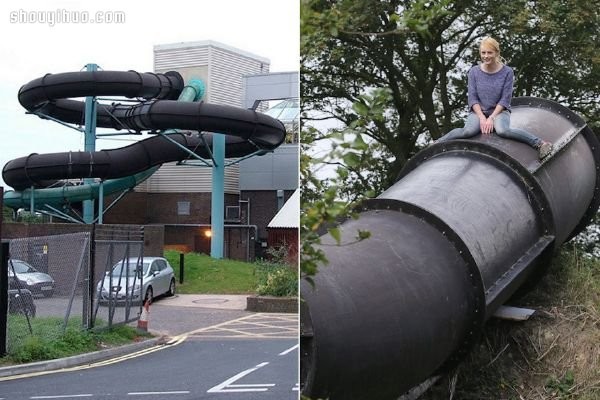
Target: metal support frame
[31, 201]
[166, 134]
[218, 197]
[90, 145]
[59, 214]
[44, 116]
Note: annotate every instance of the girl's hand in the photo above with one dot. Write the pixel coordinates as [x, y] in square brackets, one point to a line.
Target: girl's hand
[486, 125]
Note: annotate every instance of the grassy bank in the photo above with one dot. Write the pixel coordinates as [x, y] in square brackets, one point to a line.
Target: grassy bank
[206, 275]
[554, 355]
[48, 341]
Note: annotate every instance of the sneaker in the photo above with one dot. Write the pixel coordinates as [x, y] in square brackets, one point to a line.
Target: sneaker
[545, 149]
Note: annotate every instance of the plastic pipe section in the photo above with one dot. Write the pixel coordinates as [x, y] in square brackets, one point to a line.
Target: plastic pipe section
[247, 130]
[466, 225]
[58, 196]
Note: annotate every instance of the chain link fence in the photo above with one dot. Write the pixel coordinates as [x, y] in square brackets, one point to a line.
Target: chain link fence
[117, 277]
[47, 285]
[73, 281]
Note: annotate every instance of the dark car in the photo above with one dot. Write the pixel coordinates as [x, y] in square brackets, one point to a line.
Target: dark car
[20, 301]
[27, 277]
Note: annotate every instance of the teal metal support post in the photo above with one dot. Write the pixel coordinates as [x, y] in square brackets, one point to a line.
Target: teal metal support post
[90, 145]
[100, 202]
[31, 202]
[218, 197]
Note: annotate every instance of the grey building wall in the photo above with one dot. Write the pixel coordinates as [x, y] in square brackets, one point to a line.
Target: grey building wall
[273, 171]
[222, 68]
[274, 86]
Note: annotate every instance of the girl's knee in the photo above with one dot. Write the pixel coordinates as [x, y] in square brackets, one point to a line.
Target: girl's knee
[502, 132]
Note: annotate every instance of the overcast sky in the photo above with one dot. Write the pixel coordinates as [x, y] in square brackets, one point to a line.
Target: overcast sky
[267, 28]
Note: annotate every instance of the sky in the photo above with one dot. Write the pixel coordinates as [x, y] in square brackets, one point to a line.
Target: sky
[37, 39]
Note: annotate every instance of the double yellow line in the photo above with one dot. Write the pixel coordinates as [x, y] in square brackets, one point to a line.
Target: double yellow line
[172, 342]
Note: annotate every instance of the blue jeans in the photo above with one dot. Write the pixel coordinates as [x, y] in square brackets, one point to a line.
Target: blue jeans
[501, 127]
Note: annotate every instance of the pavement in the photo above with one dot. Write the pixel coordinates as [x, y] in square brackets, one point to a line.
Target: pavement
[174, 319]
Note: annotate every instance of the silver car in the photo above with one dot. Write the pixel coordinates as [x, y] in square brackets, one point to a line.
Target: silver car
[132, 278]
[24, 276]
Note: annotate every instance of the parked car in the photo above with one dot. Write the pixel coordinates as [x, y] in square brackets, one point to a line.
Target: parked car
[27, 277]
[124, 282]
[20, 301]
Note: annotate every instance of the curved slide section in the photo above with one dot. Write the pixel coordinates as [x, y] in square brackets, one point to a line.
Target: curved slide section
[467, 224]
[49, 95]
[41, 170]
[63, 195]
[247, 131]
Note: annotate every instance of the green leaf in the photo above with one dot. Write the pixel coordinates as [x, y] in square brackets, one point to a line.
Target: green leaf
[336, 234]
[360, 108]
[351, 159]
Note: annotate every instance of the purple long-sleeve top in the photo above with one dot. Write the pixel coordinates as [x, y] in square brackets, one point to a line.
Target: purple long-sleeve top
[488, 90]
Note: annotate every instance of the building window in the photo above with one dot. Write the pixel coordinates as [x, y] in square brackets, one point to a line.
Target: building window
[183, 208]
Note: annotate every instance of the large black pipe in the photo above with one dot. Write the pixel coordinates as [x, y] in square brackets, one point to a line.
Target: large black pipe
[49, 95]
[466, 225]
[41, 170]
[247, 130]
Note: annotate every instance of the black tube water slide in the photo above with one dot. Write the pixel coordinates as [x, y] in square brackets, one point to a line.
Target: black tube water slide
[247, 130]
[466, 225]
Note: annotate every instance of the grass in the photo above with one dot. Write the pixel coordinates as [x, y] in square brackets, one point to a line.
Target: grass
[553, 355]
[48, 341]
[206, 275]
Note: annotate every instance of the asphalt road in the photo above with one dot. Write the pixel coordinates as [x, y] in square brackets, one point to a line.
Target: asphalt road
[219, 353]
[197, 368]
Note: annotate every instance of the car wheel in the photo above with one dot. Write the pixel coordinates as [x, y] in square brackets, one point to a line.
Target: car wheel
[171, 291]
[48, 293]
[149, 295]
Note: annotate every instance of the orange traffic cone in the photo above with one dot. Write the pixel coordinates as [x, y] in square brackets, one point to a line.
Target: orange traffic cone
[142, 323]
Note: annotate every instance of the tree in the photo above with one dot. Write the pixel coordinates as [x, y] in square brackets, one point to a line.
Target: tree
[392, 75]
[421, 50]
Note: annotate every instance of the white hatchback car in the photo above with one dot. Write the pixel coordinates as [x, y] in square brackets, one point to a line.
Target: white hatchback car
[128, 280]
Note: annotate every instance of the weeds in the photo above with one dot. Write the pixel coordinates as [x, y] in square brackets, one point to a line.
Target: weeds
[553, 356]
[48, 342]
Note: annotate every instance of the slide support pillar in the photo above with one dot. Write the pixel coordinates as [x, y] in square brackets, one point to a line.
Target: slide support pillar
[90, 145]
[218, 197]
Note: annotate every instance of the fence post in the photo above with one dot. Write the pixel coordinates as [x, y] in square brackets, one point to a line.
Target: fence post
[89, 307]
[3, 285]
[181, 268]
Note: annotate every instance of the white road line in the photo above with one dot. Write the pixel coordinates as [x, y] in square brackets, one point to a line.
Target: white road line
[156, 393]
[283, 353]
[251, 385]
[63, 396]
[226, 387]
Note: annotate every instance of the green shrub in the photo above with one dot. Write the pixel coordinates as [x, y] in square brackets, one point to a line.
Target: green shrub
[277, 281]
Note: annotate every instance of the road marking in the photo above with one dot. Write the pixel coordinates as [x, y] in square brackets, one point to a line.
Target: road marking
[296, 388]
[257, 326]
[156, 393]
[294, 347]
[228, 387]
[179, 339]
[64, 396]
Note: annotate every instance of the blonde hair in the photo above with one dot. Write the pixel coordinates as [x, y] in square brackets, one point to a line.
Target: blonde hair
[494, 45]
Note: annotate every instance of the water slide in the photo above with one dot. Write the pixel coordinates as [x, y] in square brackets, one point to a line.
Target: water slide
[52, 96]
[468, 223]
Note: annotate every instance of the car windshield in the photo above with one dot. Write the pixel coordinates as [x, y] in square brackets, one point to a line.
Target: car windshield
[20, 267]
[127, 269]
